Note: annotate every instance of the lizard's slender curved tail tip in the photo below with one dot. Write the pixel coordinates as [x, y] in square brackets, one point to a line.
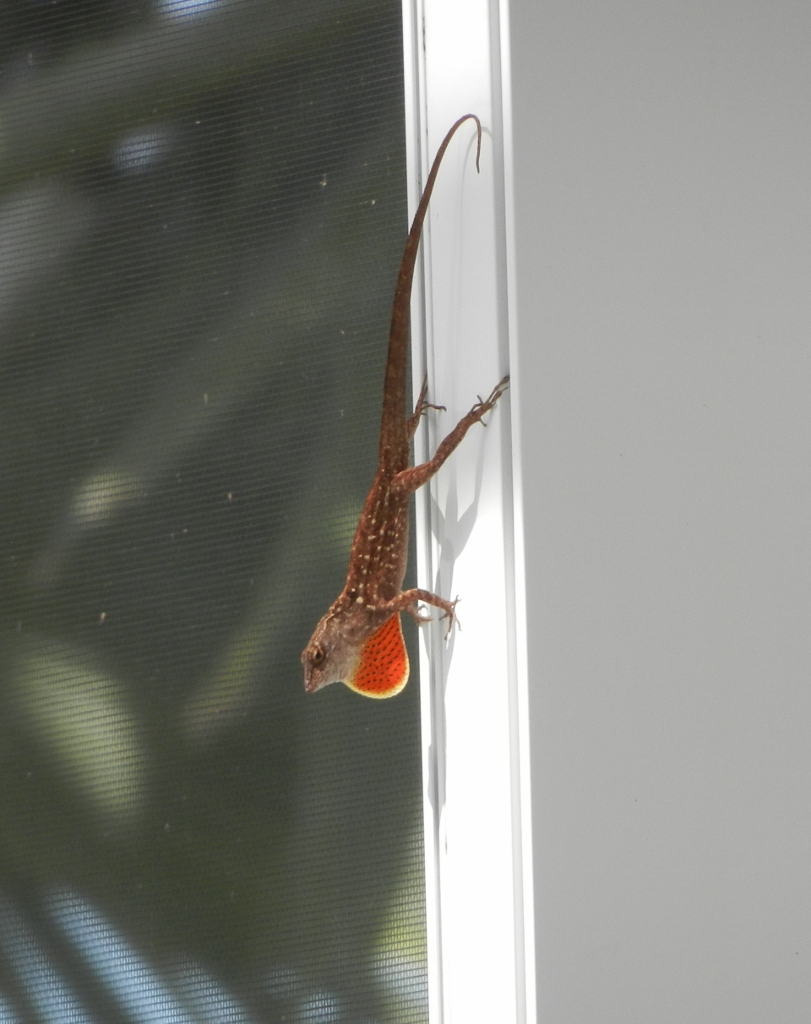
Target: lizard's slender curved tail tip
[475, 117]
[478, 142]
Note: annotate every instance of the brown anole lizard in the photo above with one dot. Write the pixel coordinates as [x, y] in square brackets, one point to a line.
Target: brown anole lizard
[360, 640]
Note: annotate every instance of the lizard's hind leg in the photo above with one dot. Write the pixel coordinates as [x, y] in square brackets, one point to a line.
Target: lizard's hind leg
[420, 408]
[409, 480]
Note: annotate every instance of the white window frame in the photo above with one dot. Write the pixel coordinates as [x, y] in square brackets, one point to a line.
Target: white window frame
[469, 534]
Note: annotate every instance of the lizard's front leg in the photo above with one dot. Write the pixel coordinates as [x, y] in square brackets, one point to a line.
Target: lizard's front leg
[408, 601]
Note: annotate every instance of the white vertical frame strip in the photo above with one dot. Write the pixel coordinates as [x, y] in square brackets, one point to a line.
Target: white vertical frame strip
[475, 750]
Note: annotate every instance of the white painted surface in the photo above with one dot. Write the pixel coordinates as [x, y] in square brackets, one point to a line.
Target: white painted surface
[663, 257]
[476, 769]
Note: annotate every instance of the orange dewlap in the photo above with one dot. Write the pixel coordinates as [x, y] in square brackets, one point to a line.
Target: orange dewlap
[382, 669]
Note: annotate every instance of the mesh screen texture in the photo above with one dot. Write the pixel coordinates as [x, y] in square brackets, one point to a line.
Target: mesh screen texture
[202, 209]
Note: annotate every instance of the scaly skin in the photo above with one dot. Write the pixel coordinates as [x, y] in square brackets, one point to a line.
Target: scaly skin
[355, 642]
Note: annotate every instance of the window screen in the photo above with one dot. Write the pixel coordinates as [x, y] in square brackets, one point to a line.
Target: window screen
[202, 209]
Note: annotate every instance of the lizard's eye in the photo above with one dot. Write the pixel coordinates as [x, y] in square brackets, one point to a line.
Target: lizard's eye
[318, 656]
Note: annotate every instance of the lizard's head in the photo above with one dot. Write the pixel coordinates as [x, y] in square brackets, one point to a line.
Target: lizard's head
[374, 664]
[329, 657]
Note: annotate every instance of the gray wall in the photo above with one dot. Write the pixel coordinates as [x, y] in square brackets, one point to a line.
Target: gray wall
[663, 173]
